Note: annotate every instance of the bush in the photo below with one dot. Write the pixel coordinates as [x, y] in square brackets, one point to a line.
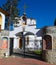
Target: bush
[38, 51]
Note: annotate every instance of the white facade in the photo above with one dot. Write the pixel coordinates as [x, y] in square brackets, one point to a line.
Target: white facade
[14, 39]
[15, 43]
[29, 30]
[3, 20]
[4, 34]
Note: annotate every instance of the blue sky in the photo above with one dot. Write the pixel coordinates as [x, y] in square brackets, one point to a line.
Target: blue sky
[44, 11]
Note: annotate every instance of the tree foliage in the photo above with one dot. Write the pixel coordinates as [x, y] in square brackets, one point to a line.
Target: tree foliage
[11, 7]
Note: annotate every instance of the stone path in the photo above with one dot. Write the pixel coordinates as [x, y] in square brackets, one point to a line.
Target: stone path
[21, 61]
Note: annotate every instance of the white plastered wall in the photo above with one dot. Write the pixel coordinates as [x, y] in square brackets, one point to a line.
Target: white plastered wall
[3, 20]
[16, 42]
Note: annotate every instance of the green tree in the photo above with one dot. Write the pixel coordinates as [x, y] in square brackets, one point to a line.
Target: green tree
[11, 7]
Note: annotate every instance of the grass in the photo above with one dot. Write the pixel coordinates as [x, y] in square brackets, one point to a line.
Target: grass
[38, 51]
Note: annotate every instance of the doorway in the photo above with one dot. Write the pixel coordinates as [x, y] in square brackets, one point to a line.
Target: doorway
[11, 45]
[47, 42]
[20, 42]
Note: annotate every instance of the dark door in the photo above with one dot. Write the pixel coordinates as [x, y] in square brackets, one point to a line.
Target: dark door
[11, 45]
[20, 43]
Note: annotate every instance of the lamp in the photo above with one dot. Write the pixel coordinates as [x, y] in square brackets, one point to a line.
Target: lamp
[23, 30]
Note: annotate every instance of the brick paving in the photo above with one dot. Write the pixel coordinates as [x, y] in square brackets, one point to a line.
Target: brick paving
[21, 61]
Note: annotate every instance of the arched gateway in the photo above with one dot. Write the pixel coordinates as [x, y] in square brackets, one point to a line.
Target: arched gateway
[47, 42]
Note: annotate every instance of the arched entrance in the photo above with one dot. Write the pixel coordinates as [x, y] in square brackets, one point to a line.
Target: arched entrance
[47, 42]
[4, 43]
[24, 38]
[29, 40]
[19, 35]
[20, 42]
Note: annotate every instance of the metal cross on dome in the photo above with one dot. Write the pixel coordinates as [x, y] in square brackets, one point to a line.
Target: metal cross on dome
[25, 8]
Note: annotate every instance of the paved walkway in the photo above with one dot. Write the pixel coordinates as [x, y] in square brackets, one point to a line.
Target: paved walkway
[21, 61]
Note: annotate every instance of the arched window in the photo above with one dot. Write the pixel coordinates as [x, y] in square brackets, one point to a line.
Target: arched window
[47, 42]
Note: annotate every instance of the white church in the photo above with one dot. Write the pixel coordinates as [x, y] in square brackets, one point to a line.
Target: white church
[24, 33]
[26, 27]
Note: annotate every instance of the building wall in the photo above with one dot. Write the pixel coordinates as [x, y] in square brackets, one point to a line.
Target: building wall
[49, 55]
[4, 43]
[2, 20]
[16, 43]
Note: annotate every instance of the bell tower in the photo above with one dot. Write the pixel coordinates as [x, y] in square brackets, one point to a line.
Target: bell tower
[24, 18]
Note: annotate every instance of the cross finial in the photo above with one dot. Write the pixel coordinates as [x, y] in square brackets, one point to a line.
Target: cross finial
[25, 8]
